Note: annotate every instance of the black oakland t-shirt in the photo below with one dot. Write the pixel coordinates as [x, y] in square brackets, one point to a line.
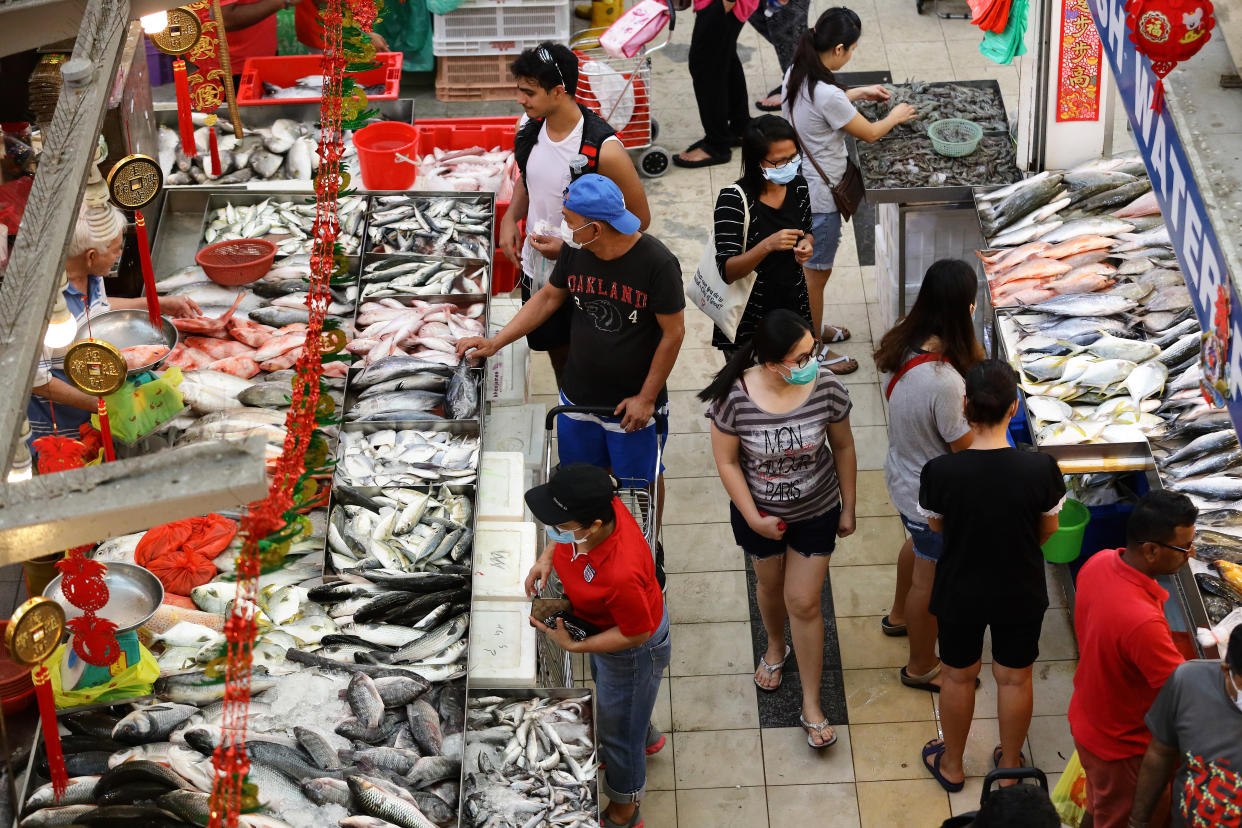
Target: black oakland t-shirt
[614, 332]
[991, 502]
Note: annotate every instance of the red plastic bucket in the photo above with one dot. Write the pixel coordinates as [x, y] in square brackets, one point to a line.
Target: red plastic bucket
[378, 146]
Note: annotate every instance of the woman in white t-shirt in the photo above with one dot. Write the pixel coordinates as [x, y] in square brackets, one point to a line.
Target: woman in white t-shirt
[822, 111]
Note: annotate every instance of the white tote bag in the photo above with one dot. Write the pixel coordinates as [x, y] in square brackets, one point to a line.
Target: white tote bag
[723, 302]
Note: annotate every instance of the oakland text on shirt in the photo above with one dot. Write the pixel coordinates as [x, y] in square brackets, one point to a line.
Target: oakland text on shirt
[595, 286]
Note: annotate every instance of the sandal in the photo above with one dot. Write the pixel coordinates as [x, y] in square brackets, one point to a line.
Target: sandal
[839, 334]
[923, 682]
[772, 668]
[891, 629]
[837, 360]
[935, 748]
[711, 160]
[764, 107]
[812, 729]
[635, 821]
[996, 757]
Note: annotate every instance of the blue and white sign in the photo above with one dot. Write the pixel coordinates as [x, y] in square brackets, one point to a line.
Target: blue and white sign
[1192, 235]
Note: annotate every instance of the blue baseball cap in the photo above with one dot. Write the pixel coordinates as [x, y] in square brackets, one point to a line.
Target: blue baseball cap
[600, 199]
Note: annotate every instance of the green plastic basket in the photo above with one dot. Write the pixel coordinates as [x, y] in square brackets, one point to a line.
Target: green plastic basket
[1065, 545]
[954, 137]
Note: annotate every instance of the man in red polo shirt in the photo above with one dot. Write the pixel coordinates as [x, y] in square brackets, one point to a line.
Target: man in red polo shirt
[1126, 652]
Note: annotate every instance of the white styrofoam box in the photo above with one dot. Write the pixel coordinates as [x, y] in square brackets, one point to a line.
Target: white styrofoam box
[495, 27]
[507, 378]
[502, 486]
[503, 645]
[503, 553]
[929, 236]
[517, 428]
[502, 310]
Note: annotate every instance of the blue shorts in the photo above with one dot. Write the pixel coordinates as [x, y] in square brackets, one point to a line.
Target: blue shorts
[928, 545]
[585, 438]
[826, 232]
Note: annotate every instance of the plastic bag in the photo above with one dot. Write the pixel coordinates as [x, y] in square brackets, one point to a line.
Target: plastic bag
[180, 553]
[406, 25]
[1069, 797]
[137, 410]
[135, 680]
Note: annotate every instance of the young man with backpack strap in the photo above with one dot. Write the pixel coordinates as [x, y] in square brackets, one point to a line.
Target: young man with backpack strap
[558, 141]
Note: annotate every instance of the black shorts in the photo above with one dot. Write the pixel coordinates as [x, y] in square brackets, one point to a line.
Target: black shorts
[552, 334]
[810, 538]
[1013, 645]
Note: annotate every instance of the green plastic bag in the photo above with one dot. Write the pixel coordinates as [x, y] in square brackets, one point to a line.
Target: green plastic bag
[1004, 47]
[132, 681]
[406, 25]
[137, 410]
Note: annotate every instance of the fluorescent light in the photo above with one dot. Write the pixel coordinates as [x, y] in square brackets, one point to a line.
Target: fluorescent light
[62, 328]
[23, 463]
[155, 22]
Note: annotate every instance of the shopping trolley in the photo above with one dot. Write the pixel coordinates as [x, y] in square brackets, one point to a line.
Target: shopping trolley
[619, 91]
[642, 502]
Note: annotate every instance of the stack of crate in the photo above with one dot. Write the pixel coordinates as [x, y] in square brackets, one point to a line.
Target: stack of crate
[475, 43]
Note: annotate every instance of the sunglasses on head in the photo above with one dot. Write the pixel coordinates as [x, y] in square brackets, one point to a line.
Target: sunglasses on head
[543, 54]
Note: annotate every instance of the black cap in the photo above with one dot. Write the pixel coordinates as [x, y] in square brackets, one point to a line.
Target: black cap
[574, 490]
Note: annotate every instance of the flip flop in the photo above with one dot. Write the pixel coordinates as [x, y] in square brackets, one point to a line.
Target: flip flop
[772, 668]
[762, 107]
[818, 728]
[923, 682]
[996, 757]
[710, 161]
[839, 333]
[891, 629]
[828, 363]
[931, 750]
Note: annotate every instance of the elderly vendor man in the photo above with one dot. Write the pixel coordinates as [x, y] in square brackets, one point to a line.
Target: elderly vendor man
[56, 406]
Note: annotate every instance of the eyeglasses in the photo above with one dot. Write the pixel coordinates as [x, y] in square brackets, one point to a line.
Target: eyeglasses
[543, 54]
[818, 351]
[783, 161]
[1187, 550]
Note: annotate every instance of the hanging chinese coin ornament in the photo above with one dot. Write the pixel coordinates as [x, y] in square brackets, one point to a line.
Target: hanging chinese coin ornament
[178, 37]
[133, 183]
[32, 636]
[1168, 32]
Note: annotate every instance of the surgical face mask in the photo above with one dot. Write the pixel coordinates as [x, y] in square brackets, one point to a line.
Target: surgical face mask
[802, 375]
[784, 173]
[563, 535]
[1237, 699]
[567, 233]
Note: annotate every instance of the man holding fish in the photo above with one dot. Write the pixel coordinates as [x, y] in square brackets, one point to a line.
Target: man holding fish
[93, 251]
[559, 140]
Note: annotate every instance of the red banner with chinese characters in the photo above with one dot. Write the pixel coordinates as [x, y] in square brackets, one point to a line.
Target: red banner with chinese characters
[1078, 75]
[207, 73]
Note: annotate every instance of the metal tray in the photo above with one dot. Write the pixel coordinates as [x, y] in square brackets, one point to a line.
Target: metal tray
[368, 258]
[465, 428]
[252, 117]
[219, 197]
[488, 197]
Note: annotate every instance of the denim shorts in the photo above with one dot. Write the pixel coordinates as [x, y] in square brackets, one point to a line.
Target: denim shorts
[826, 231]
[928, 545]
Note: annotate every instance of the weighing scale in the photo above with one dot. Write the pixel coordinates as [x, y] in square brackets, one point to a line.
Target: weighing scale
[134, 594]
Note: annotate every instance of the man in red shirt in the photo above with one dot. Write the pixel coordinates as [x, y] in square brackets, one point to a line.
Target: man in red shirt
[250, 26]
[608, 573]
[1126, 652]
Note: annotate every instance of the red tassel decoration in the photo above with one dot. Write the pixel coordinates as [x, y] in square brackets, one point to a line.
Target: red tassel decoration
[184, 122]
[215, 150]
[51, 736]
[105, 429]
[1157, 96]
[148, 273]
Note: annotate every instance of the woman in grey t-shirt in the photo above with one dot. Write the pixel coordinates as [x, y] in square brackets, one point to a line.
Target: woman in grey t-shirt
[822, 111]
[782, 443]
[925, 356]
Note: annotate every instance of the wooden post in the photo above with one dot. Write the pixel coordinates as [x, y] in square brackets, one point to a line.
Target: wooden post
[33, 277]
[59, 511]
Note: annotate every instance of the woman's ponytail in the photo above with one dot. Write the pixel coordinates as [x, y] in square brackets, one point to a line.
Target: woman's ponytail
[742, 358]
[775, 335]
[837, 26]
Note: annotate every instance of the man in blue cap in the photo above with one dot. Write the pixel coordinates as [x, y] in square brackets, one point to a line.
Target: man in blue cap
[626, 328]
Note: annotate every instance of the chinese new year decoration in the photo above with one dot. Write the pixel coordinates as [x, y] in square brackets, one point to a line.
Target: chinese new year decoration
[268, 527]
[1168, 32]
[1078, 70]
[83, 584]
[1214, 353]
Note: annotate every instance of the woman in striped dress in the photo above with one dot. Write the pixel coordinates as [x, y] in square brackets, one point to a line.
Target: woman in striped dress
[785, 453]
[778, 239]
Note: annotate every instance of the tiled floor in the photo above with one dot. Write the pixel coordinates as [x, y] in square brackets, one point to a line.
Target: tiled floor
[721, 767]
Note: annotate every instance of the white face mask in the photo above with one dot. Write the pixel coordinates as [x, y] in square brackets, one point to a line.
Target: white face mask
[567, 234]
[1237, 701]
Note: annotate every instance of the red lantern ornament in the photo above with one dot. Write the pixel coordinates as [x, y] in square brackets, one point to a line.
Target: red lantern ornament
[83, 583]
[94, 639]
[1168, 32]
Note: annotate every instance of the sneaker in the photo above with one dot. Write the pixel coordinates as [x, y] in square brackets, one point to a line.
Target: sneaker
[655, 740]
[659, 567]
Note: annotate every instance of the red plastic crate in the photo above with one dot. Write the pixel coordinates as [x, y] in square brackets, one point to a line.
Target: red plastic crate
[283, 70]
[463, 133]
